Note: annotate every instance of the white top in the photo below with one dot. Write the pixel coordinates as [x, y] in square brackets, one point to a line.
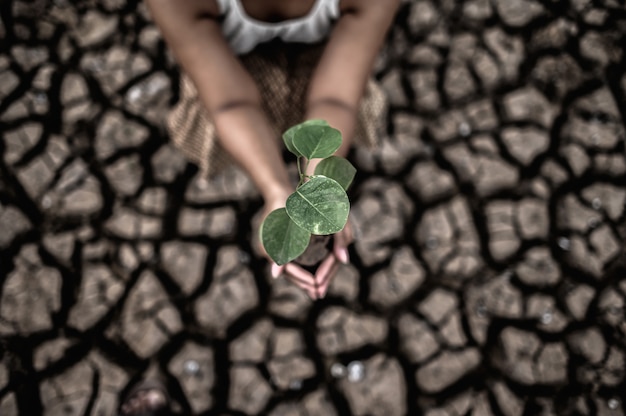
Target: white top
[243, 32]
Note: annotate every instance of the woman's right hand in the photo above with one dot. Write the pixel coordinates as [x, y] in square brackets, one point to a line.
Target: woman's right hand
[296, 274]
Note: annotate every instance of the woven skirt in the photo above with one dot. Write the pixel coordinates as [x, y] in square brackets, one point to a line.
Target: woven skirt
[282, 72]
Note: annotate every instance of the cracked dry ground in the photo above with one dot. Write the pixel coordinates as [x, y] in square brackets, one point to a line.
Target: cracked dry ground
[489, 275]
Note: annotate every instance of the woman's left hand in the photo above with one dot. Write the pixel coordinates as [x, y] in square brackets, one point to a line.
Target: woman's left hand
[317, 285]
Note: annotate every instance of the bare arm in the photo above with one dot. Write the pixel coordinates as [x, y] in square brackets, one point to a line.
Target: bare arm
[337, 87]
[226, 89]
[339, 80]
[228, 92]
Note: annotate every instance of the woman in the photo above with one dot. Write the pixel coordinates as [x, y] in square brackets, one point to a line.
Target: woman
[206, 37]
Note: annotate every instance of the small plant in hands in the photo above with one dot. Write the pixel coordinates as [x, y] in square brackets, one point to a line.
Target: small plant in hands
[320, 205]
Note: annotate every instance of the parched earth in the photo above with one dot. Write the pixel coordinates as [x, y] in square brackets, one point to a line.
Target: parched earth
[489, 274]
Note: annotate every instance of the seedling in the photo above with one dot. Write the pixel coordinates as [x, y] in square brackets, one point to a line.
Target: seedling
[320, 205]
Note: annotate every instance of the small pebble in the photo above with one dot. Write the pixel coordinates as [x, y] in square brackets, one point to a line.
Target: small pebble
[593, 222]
[128, 258]
[244, 257]
[546, 317]
[356, 371]
[481, 309]
[573, 29]
[202, 184]
[155, 86]
[96, 65]
[41, 98]
[338, 370]
[432, 243]
[295, 385]
[613, 404]
[191, 367]
[46, 202]
[464, 129]
[595, 139]
[135, 94]
[596, 203]
[564, 243]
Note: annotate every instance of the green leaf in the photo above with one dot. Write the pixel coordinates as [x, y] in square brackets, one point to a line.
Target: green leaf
[337, 168]
[290, 133]
[320, 206]
[288, 139]
[316, 140]
[282, 239]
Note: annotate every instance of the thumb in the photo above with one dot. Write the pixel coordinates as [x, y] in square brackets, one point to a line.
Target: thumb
[276, 270]
[342, 240]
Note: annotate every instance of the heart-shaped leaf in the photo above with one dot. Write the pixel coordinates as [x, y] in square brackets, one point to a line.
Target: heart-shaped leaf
[316, 141]
[282, 239]
[320, 206]
[288, 139]
[337, 168]
[289, 134]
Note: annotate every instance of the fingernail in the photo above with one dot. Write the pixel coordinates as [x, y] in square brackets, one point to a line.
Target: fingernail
[343, 256]
[276, 270]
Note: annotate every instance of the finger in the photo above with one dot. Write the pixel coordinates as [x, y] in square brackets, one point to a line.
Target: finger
[301, 283]
[324, 281]
[300, 276]
[323, 288]
[342, 240]
[311, 291]
[276, 270]
[324, 275]
[324, 268]
[341, 253]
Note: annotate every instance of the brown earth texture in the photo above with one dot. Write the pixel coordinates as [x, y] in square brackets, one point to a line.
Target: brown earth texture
[489, 272]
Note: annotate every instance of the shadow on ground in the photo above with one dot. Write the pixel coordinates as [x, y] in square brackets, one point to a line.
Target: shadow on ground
[489, 274]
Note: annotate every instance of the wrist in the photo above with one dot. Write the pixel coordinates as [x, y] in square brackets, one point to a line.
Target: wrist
[310, 167]
[276, 196]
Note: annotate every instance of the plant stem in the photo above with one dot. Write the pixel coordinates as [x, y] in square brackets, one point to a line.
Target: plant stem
[302, 172]
[306, 166]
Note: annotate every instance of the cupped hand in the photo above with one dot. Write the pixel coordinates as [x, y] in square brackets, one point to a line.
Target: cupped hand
[295, 273]
[317, 285]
